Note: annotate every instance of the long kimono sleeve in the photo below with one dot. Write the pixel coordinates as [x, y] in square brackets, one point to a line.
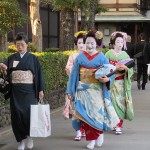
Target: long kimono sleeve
[129, 104]
[107, 85]
[69, 65]
[39, 78]
[73, 79]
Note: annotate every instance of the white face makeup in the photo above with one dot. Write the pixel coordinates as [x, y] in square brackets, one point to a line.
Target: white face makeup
[80, 44]
[90, 45]
[119, 43]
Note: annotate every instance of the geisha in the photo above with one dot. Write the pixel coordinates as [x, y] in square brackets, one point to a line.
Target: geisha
[93, 107]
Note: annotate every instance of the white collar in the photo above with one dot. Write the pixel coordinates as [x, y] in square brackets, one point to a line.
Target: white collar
[21, 55]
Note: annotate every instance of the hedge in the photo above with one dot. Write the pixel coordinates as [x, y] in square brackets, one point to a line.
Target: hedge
[53, 65]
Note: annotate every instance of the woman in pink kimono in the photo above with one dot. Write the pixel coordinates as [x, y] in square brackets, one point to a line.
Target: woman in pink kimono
[81, 47]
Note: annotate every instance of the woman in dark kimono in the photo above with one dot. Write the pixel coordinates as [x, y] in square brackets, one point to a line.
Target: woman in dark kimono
[27, 84]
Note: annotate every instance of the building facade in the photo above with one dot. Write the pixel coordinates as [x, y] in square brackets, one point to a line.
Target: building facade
[50, 25]
[130, 16]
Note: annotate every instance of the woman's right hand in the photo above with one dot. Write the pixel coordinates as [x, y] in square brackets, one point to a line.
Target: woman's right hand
[69, 97]
[3, 66]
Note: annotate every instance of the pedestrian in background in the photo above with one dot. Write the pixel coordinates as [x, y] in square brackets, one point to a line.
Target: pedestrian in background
[142, 54]
[130, 47]
[27, 84]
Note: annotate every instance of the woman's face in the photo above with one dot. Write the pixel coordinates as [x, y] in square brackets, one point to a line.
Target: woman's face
[80, 44]
[21, 46]
[119, 43]
[90, 45]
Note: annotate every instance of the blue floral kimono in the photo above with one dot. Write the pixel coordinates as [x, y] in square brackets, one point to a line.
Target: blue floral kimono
[92, 98]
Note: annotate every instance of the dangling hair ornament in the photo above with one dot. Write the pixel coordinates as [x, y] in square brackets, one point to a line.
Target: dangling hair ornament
[113, 35]
[99, 35]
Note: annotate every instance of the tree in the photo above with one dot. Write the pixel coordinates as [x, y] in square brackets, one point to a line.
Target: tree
[67, 10]
[10, 16]
[36, 24]
[93, 10]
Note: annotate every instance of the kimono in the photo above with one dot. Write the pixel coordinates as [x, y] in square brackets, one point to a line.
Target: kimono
[70, 62]
[121, 88]
[92, 99]
[27, 81]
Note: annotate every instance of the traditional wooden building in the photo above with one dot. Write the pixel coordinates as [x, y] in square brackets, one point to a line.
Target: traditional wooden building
[130, 16]
[50, 25]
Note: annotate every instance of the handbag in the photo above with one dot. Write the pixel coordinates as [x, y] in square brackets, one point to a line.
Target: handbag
[4, 86]
[40, 122]
[67, 110]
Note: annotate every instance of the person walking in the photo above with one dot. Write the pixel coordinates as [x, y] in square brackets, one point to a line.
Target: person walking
[142, 54]
[130, 47]
[78, 41]
[93, 107]
[27, 84]
[121, 88]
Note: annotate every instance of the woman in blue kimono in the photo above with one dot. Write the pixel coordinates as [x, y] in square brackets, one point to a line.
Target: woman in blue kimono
[27, 84]
[93, 107]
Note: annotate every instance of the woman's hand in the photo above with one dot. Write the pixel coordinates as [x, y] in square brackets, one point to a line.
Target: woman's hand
[69, 97]
[121, 67]
[3, 67]
[104, 79]
[41, 95]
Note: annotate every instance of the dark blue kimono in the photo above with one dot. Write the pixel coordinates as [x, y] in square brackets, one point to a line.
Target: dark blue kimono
[23, 95]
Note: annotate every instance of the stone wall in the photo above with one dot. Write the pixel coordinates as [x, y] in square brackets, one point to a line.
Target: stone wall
[55, 99]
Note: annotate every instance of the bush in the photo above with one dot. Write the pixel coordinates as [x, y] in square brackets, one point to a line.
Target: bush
[53, 65]
[32, 47]
[12, 47]
[51, 49]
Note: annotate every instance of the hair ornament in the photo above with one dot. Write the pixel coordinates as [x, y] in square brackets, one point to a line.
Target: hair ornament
[80, 32]
[99, 35]
[113, 36]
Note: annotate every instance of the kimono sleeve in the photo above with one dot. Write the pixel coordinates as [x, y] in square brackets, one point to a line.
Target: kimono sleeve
[73, 79]
[69, 65]
[39, 77]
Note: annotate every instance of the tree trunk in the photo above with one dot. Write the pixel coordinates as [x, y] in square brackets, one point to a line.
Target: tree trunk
[83, 25]
[67, 27]
[3, 43]
[36, 24]
[91, 22]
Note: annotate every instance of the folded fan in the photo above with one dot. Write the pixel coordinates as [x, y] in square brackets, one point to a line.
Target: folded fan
[129, 62]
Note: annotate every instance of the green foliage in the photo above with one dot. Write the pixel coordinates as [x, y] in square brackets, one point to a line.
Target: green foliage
[10, 15]
[12, 48]
[51, 49]
[32, 47]
[101, 9]
[53, 65]
[69, 4]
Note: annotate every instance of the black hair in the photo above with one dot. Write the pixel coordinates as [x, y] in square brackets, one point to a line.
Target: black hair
[80, 36]
[21, 36]
[142, 36]
[92, 33]
[112, 41]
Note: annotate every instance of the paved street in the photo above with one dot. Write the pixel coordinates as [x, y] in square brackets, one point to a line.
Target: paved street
[136, 134]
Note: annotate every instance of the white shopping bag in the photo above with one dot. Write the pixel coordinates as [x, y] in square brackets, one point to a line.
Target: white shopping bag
[40, 123]
[148, 70]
